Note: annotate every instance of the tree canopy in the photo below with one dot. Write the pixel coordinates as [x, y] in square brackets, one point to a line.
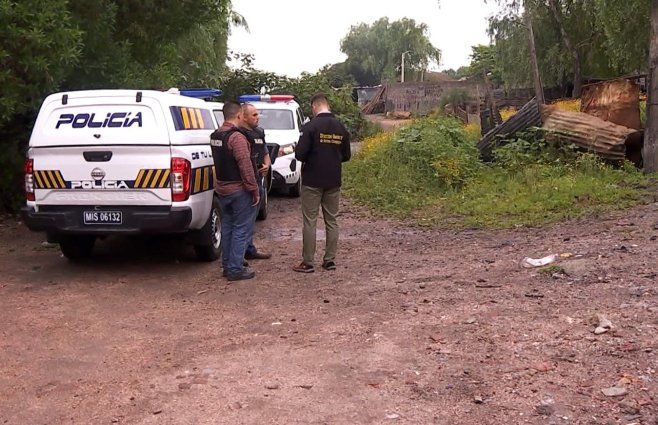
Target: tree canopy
[374, 51]
[604, 38]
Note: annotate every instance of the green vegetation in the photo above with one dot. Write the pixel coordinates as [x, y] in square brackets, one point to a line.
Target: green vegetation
[374, 51]
[430, 171]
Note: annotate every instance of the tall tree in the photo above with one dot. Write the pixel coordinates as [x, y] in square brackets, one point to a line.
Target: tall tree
[556, 7]
[375, 50]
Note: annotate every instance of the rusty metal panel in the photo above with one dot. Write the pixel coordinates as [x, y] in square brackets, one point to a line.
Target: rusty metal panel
[617, 101]
[528, 116]
[604, 138]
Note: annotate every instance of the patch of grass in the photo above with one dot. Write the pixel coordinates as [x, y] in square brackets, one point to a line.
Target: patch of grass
[570, 105]
[551, 270]
[430, 171]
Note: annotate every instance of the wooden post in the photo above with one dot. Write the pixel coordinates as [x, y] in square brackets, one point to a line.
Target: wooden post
[650, 151]
[539, 91]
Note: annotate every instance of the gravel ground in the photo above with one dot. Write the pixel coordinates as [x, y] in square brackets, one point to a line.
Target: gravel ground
[416, 326]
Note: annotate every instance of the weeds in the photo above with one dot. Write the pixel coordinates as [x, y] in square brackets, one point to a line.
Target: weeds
[430, 171]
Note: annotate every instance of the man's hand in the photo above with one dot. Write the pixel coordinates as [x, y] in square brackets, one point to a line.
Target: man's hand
[263, 169]
[256, 198]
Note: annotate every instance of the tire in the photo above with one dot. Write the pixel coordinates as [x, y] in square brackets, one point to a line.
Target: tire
[77, 248]
[296, 189]
[212, 232]
[262, 211]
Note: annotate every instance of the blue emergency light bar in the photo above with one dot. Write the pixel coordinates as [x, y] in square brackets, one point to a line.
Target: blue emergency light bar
[201, 93]
[265, 98]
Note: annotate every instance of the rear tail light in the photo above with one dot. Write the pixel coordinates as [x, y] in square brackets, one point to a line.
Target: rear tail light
[286, 150]
[29, 179]
[181, 173]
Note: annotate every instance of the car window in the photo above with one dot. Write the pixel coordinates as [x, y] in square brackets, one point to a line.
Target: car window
[219, 116]
[300, 120]
[276, 119]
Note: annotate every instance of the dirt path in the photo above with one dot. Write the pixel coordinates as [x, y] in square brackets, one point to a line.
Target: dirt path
[416, 326]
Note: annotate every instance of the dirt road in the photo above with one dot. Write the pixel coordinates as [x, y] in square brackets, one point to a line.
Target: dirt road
[416, 326]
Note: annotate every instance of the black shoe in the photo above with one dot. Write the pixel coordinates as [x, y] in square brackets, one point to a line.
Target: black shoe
[243, 275]
[304, 268]
[329, 265]
[257, 256]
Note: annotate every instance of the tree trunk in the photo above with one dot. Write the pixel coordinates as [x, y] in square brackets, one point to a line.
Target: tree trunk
[650, 153]
[577, 65]
[539, 91]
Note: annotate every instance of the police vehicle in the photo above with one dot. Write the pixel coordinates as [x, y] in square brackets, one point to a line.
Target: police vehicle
[282, 119]
[108, 162]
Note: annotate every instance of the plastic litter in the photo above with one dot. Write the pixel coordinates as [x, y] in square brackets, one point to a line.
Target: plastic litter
[528, 262]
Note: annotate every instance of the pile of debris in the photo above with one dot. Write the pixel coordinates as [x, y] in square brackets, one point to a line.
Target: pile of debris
[609, 123]
[377, 104]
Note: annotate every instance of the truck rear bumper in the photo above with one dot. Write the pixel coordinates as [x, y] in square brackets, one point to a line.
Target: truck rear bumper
[135, 220]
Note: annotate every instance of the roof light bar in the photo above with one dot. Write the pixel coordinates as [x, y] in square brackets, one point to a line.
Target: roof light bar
[201, 93]
[266, 98]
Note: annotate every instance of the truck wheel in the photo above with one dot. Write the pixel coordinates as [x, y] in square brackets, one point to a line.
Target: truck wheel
[296, 189]
[77, 247]
[213, 233]
[262, 210]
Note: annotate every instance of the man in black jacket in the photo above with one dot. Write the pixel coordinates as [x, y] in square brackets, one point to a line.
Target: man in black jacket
[322, 148]
[256, 136]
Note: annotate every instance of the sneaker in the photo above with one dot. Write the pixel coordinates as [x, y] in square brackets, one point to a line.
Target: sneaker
[304, 268]
[329, 265]
[225, 273]
[243, 275]
[257, 256]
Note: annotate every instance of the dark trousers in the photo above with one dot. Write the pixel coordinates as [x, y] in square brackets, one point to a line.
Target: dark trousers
[251, 249]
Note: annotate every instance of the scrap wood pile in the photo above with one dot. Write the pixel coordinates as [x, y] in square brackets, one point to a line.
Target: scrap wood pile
[377, 103]
[608, 123]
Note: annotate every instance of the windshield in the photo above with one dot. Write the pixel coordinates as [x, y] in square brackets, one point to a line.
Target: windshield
[276, 119]
[219, 116]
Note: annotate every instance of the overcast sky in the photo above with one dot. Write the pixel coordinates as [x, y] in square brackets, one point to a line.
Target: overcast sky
[292, 36]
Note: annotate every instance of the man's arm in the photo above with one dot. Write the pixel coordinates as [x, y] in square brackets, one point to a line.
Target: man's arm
[345, 148]
[239, 147]
[304, 144]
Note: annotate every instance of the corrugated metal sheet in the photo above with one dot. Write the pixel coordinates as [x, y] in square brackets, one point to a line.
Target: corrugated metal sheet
[594, 134]
[528, 116]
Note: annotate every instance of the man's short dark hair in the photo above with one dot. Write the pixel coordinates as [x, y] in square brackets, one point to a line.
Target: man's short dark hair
[319, 98]
[231, 110]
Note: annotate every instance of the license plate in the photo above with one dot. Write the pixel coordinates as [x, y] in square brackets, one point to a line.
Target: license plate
[102, 217]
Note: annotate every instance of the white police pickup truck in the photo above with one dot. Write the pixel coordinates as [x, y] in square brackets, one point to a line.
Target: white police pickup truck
[108, 162]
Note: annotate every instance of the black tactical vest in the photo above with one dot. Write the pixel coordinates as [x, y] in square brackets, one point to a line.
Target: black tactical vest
[225, 164]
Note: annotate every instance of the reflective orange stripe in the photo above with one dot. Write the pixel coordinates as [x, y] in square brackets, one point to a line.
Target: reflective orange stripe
[186, 119]
[199, 118]
[193, 118]
[61, 179]
[165, 179]
[206, 178]
[139, 178]
[197, 180]
[51, 176]
[147, 178]
[156, 178]
[37, 175]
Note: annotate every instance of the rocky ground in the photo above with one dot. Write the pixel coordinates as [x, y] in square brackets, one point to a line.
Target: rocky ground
[415, 326]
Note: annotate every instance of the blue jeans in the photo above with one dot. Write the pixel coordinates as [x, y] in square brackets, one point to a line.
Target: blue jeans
[237, 229]
[251, 248]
